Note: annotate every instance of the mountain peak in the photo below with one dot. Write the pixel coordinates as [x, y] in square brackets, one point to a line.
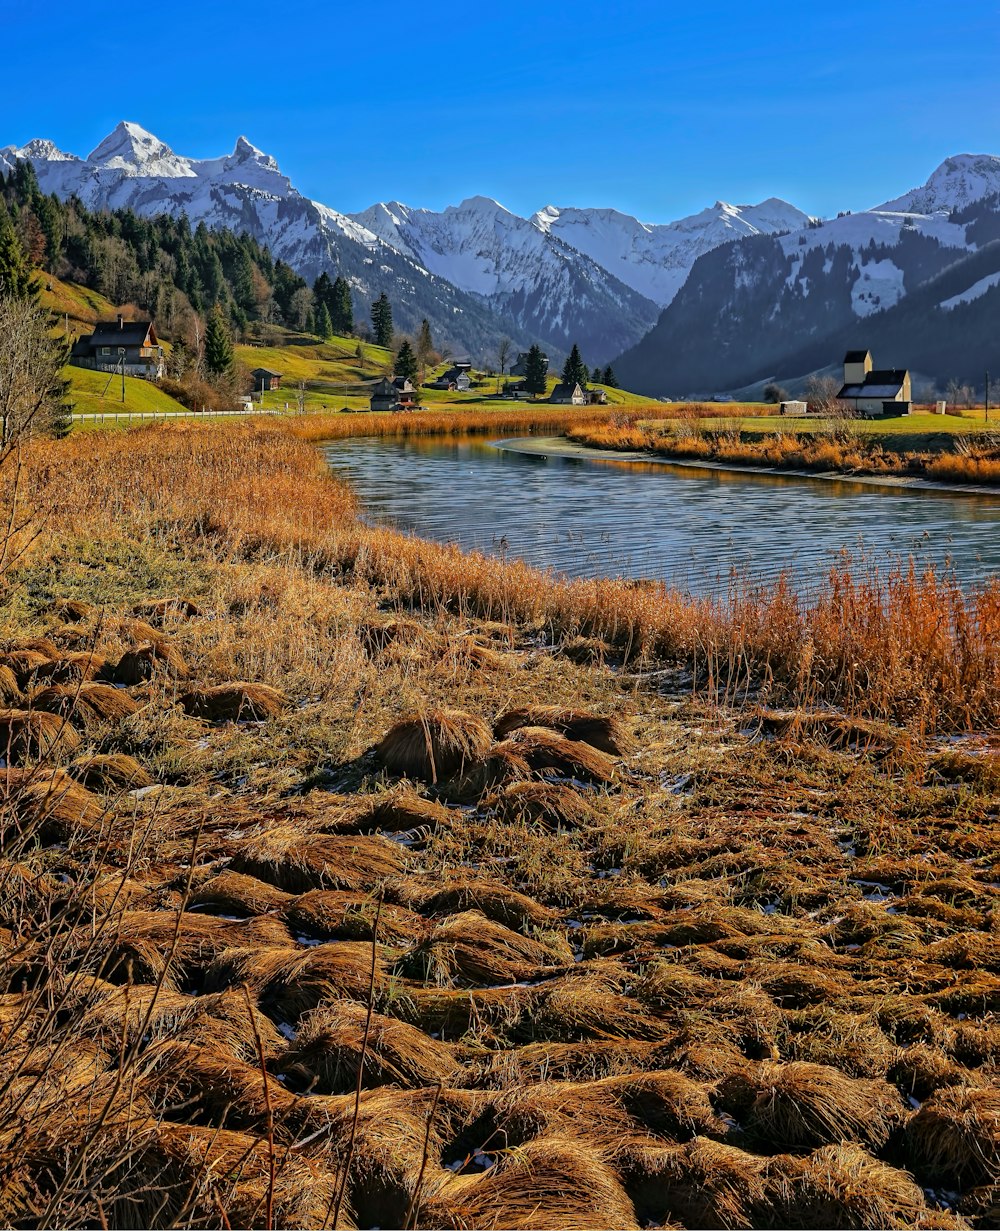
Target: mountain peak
[481, 205]
[130, 149]
[40, 147]
[957, 182]
[246, 151]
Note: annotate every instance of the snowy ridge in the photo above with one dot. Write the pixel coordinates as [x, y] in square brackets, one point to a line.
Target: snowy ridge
[655, 259]
[958, 181]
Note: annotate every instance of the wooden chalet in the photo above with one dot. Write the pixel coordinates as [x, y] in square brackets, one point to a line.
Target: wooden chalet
[118, 343]
[398, 394]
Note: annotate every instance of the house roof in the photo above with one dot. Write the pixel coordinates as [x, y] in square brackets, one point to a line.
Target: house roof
[566, 390]
[879, 383]
[264, 372]
[129, 333]
[856, 356]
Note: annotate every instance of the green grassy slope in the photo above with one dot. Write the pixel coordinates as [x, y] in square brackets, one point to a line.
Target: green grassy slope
[91, 393]
[334, 378]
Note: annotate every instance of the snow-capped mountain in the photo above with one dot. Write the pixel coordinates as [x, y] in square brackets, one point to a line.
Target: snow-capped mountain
[247, 192]
[746, 291]
[655, 259]
[476, 270]
[548, 288]
[914, 275]
[957, 182]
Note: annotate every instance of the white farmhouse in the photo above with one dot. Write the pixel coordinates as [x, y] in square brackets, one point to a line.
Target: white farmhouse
[874, 391]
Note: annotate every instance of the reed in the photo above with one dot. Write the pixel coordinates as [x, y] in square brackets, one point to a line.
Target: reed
[762, 926]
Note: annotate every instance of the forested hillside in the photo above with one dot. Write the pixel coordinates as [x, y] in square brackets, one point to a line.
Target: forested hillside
[160, 265]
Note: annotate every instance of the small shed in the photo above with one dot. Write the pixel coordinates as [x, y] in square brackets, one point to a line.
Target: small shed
[793, 408]
[264, 380]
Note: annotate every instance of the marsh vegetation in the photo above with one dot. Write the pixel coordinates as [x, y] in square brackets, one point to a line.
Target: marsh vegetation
[350, 880]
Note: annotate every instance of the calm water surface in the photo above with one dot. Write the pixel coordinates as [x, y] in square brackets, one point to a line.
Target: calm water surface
[691, 527]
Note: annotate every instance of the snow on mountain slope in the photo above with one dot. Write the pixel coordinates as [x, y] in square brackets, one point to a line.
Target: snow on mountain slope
[476, 270]
[784, 305]
[655, 259]
[546, 285]
[132, 151]
[956, 183]
[247, 192]
[975, 291]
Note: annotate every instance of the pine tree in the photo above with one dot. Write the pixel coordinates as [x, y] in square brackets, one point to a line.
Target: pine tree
[574, 369]
[324, 326]
[535, 371]
[609, 378]
[382, 320]
[218, 347]
[243, 284]
[405, 365]
[341, 308]
[323, 290]
[595, 376]
[15, 272]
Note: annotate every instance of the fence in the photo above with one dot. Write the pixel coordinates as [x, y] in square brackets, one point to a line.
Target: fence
[148, 416]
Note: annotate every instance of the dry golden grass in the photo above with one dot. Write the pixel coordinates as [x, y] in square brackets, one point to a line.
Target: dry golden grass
[699, 989]
[143, 663]
[30, 735]
[435, 745]
[243, 702]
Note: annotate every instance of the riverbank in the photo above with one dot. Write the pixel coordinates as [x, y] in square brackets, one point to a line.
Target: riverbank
[348, 880]
[840, 448]
[561, 446]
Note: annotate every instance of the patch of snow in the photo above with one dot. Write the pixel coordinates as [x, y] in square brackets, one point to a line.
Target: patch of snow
[972, 292]
[656, 258]
[879, 285]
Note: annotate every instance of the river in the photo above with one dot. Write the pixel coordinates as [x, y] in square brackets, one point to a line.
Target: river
[694, 528]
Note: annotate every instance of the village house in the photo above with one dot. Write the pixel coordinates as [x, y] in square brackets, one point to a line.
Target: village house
[519, 367]
[516, 391]
[398, 394]
[457, 377]
[120, 343]
[595, 397]
[568, 395]
[264, 380]
[874, 391]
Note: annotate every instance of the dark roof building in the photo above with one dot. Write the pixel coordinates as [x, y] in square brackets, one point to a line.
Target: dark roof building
[874, 390]
[395, 394]
[264, 379]
[119, 345]
[568, 395]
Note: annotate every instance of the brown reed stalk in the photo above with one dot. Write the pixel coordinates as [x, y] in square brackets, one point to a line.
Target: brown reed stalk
[342, 1186]
[413, 1209]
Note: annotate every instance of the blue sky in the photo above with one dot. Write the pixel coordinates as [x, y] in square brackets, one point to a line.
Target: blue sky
[657, 109]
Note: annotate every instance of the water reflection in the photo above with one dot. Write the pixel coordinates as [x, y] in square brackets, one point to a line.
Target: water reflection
[643, 520]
